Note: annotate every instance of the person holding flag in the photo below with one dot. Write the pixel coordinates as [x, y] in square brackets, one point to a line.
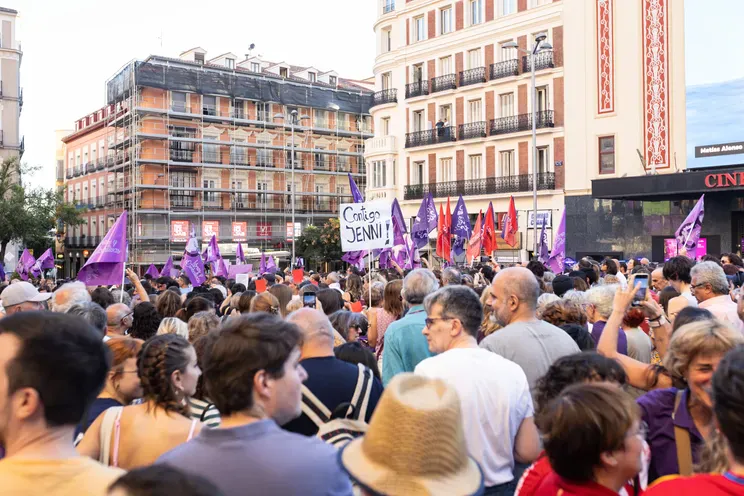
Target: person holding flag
[106, 265]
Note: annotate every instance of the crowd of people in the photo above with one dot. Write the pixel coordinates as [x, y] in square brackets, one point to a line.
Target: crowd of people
[462, 381]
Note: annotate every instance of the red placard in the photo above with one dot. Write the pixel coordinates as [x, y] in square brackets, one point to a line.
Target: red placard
[263, 229]
[179, 231]
[240, 231]
[298, 275]
[260, 285]
[209, 228]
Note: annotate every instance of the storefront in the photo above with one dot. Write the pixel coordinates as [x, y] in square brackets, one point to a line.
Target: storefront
[632, 216]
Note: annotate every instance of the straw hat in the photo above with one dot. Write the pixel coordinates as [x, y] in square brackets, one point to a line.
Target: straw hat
[415, 444]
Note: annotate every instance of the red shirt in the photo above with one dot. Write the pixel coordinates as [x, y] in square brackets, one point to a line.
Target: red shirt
[697, 485]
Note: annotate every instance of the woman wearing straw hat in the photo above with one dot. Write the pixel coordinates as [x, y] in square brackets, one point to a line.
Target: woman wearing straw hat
[415, 445]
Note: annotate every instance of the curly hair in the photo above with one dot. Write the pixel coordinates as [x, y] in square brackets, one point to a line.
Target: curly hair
[202, 324]
[563, 312]
[168, 304]
[145, 321]
[159, 358]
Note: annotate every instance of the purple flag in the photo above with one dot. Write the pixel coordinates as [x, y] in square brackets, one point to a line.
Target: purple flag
[262, 265]
[25, 264]
[413, 259]
[543, 254]
[193, 267]
[2, 272]
[355, 257]
[426, 221]
[192, 247]
[299, 262]
[152, 271]
[168, 270]
[355, 193]
[219, 268]
[689, 231]
[384, 260]
[106, 265]
[234, 270]
[399, 223]
[555, 262]
[461, 227]
[212, 251]
[45, 261]
[239, 253]
[270, 264]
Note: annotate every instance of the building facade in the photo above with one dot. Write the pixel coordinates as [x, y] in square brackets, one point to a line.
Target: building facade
[453, 108]
[207, 144]
[11, 94]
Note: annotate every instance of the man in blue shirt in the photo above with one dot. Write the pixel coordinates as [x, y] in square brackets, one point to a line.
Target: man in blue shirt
[405, 346]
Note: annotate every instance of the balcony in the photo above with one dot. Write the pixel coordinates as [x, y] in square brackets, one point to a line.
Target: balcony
[380, 144]
[181, 155]
[443, 83]
[431, 137]
[76, 171]
[419, 88]
[385, 96]
[521, 122]
[69, 174]
[473, 76]
[472, 130]
[485, 186]
[100, 164]
[504, 69]
[543, 60]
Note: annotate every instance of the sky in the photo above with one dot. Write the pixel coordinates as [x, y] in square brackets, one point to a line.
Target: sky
[70, 48]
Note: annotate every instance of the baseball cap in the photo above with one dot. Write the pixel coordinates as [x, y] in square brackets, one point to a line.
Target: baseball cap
[21, 292]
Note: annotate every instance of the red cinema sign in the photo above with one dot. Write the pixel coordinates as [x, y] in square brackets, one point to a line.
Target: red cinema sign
[263, 229]
[209, 228]
[179, 231]
[240, 231]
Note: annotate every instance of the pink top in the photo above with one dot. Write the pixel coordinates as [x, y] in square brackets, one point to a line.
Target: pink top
[384, 319]
[724, 309]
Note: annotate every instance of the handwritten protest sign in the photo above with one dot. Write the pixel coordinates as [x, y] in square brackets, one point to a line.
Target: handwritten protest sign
[366, 226]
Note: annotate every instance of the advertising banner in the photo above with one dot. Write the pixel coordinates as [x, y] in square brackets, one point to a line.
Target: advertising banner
[263, 229]
[210, 228]
[179, 231]
[240, 231]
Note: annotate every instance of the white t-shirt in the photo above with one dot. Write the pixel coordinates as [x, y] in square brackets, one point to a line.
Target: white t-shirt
[495, 399]
[622, 280]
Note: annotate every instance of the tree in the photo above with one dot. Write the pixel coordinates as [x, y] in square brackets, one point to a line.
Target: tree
[29, 215]
[320, 244]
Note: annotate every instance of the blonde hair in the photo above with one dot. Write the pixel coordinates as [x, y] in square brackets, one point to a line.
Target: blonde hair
[173, 325]
[705, 337]
[265, 302]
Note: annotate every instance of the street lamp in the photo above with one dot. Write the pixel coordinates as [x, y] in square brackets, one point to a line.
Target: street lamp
[292, 118]
[540, 45]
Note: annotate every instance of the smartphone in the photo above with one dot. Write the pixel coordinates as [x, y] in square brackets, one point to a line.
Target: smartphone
[308, 300]
[641, 279]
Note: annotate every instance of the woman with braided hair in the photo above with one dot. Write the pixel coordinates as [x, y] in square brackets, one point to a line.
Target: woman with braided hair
[135, 436]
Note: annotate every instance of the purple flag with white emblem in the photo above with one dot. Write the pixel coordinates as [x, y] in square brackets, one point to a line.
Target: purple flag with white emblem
[106, 265]
[399, 223]
[45, 261]
[239, 253]
[461, 227]
[192, 263]
[688, 233]
[426, 221]
[213, 250]
[543, 253]
[219, 268]
[25, 264]
[152, 271]
[558, 255]
[270, 264]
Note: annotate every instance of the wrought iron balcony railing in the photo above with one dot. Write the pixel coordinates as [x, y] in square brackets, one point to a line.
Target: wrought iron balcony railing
[472, 130]
[521, 122]
[473, 76]
[443, 83]
[485, 186]
[418, 88]
[385, 96]
[504, 69]
[431, 136]
[543, 60]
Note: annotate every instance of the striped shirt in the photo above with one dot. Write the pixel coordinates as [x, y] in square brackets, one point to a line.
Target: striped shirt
[210, 418]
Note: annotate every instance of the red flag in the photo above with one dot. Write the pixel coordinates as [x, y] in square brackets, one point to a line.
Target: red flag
[440, 231]
[447, 228]
[510, 227]
[489, 232]
[474, 245]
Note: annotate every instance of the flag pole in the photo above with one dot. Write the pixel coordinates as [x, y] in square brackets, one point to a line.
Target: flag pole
[123, 276]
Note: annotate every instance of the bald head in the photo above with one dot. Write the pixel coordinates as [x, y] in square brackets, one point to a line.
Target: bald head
[115, 314]
[317, 331]
[513, 297]
[657, 279]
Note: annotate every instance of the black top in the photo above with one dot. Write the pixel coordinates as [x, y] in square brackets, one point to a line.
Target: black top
[99, 406]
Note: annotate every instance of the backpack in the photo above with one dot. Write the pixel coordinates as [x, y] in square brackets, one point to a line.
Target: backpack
[347, 421]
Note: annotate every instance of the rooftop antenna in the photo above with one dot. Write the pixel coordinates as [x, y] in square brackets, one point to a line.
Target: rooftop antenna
[250, 50]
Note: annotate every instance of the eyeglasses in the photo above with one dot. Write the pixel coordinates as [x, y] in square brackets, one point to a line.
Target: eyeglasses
[127, 315]
[695, 286]
[430, 320]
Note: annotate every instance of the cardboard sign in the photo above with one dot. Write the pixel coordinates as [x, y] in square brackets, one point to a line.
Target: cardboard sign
[298, 275]
[243, 279]
[356, 307]
[260, 285]
[366, 226]
[234, 270]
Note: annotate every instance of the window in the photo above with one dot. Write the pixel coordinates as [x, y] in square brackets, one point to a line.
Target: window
[379, 173]
[474, 167]
[320, 162]
[182, 151]
[210, 197]
[476, 12]
[238, 154]
[507, 105]
[445, 65]
[230, 63]
[209, 105]
[385, 122]
[445, 20]
[387, 39]
[418, 72]
[262, 197]
[445, 113]
[255, 67]
[506, 163]
[537, 3]
[180, 181]
[543, 160]
[474, 58]
[507, 7]
[332, 80]
[418, 29]
[239, 197]
[211, 153]
[321, 119]
[264, 156]
[417, 173]
[199, 57]
[607, 155]
[283, 72]
[542, 98]
[474, 107]
[312, 77]
[320, 202]
[505, 53]
[445, 173]
[263, 111]
[386, 80]
[238, 107]
[418, 120]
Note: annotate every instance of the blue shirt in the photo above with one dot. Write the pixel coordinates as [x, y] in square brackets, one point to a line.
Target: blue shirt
[262, 459]
[405, 346]
[96, 408]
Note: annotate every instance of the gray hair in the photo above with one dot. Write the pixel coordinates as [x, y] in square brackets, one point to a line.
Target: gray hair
[116, 293]
[93, 313]
[69, 294]
[578, 297]
[378, 292]
[548, 277]
[417, 285]
[459, 302]
[333, 277]
[711, 273]
[546, 298]
[172, 325]
[451, 276]
[602, 297]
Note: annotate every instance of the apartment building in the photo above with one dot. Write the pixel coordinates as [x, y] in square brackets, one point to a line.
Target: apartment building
[453, 110]
[11, 93]
[207, 143]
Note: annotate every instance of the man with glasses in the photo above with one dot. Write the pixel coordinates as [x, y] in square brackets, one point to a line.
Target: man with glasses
[118, 320]
[485, 382]
[711, 289]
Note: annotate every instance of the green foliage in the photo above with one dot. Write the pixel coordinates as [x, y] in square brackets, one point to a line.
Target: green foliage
[320, 244]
